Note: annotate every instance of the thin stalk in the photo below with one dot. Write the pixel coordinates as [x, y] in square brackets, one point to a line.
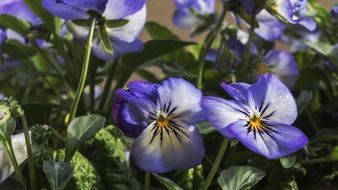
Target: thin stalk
[316, 161]
[108, 85]
[246, 57]
[31, 170]
[216, 164]
[85, 68]
[147, 181]
[209, 40]
[57, 135]
[10, 151]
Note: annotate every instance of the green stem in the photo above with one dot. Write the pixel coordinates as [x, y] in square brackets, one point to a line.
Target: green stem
[209, 40]
[85, 69]
[246, 57]
[216, 164]
[31, 169]
[147, 181]
[316, 161]
[10, 151]
[108, 85]
[57, 135]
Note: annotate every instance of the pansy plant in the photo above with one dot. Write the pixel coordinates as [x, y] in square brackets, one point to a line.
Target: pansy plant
[162, 118]
[118, 23]
[259, 115]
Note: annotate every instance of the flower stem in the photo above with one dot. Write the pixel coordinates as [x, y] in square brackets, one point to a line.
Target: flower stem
[209, 40]
[31, 169]
[216, 164]
[147, 181]
[85, 68]
[10, 151]
[246, 57]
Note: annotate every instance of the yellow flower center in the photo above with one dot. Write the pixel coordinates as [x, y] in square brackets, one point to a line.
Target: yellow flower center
[162, 121]
[255, 123]
[262, 69]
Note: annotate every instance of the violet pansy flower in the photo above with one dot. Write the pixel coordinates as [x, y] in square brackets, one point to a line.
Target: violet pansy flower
[119, 23]
[3, 36]
[282, 64]
[162, 118]
[260, 116]
[191, 14]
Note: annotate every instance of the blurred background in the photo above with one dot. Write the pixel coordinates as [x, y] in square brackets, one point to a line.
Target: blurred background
[162, 10]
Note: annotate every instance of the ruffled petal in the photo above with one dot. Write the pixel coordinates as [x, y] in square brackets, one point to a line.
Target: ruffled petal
[278, 141]
[122, 8]
[283, 65]
[272, 99]
[130, 31]
[237, 91]
[221, 113]
[183, 97]
[162, 150]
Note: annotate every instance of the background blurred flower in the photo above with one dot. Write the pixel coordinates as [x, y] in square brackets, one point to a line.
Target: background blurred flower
[119, 21]
[3, 36]
[256, 119]
[282, 64]
[190, 14]
[163, 118]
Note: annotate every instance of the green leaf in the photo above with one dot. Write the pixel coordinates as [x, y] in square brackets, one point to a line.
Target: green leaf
[11, 22]
[84, 175]
[154, 49]
[58, 173]
[240, 177]
[80, 130]
[111, 161]
[18, 50]
[7, 129]
[104, 38]
[82, 22]
[159, 32]
[288, 161]
[115, 23]
[170, 185]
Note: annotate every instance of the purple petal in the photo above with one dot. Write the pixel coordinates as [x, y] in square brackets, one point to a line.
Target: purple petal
[183, 18]
[20, 10]
[269, 28]
[278, 142]
[3, 36]
[65, 10]
[237, 91]
[162, 151]
[283, 65]
[248, 5]
[272, 96]
[122, 8]
[143, 89]
[185, 97]
[309, 23]
[221, 113]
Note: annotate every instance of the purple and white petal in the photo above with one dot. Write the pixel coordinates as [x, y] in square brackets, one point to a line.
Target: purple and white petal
[159, 150]
[64, 10]
[283, 65]
[130, 32]
[183, 97]
[279, 141]
[122, 8]
[237, 91]
[221, 113]
[272, 100]
[143, 89]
